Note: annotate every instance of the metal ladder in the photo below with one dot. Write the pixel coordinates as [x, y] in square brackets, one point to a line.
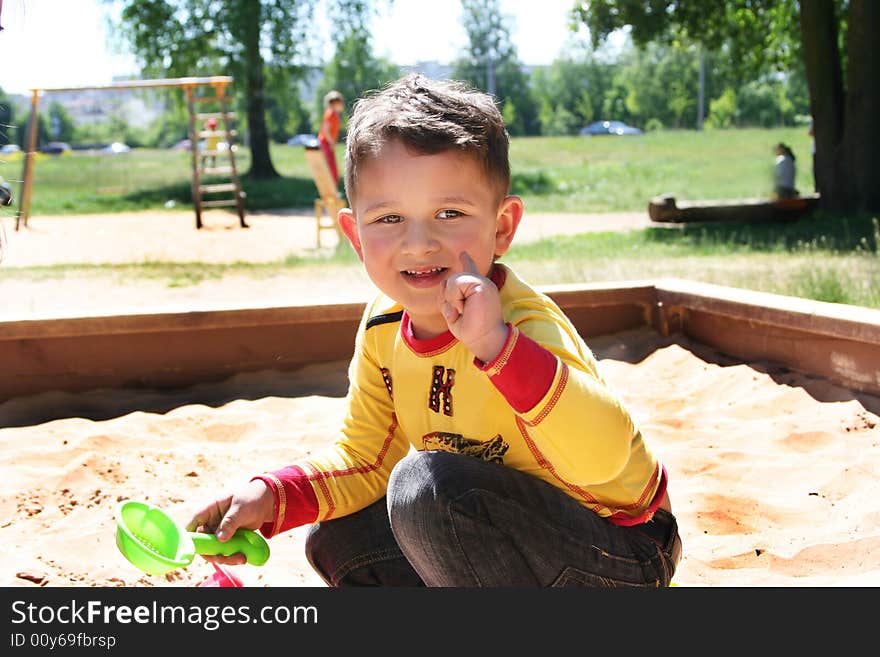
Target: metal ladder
[222, 194]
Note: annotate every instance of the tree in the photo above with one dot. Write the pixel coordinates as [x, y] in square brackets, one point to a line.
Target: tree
[571, 91]
[353, 69]
[7, 121]
[241, 38]
[834, 39]
[491, 64]
[61, 126]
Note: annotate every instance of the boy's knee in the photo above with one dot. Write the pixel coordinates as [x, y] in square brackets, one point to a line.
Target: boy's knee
[423, 472]
[421, 484]
[315, 548]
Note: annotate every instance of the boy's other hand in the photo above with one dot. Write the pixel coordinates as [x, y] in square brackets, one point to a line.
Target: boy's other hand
[471, 306]
[249, 506]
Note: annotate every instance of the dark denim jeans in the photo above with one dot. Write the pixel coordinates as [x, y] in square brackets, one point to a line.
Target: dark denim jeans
[453, 520]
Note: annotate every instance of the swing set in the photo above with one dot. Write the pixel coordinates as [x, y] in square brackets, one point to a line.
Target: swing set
[209, 94]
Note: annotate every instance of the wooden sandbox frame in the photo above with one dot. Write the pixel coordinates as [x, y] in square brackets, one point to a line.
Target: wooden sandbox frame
[172, 349]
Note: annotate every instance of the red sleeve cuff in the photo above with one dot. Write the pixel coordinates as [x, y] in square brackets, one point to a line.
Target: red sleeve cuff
[523, 372]
[646, 515]
[295, 501]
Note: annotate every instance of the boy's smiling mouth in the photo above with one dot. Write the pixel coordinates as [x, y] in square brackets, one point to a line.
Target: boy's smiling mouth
[424, 276]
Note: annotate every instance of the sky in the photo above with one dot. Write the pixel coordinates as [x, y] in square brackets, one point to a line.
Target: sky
[64, 43]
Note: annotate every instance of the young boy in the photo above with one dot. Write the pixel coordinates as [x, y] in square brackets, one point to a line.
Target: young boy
[481, 445]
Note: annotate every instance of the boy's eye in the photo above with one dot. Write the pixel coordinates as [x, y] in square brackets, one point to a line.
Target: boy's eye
[449, 214]
[390, 219]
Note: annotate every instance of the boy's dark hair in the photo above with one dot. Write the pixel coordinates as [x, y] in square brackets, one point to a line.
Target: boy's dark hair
[428, 116]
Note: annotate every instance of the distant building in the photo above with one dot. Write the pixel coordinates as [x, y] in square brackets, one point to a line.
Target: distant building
[136, 107]
[430, 69]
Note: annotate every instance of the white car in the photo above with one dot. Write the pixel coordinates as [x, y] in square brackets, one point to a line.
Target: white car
[303, 140]
[9, 149]
[116, 147]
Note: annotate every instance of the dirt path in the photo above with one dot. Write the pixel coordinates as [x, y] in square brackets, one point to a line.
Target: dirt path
[172, 237]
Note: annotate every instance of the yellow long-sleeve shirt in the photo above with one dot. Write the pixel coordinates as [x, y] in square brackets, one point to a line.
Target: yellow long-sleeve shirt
[541, 407]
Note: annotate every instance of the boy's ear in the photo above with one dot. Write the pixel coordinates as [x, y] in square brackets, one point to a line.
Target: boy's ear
[509, 215]
[348, 224]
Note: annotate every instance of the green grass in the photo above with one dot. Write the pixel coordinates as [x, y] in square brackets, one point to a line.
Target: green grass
[552, 174]
[605, 174]
[822, 257]
[147, 179]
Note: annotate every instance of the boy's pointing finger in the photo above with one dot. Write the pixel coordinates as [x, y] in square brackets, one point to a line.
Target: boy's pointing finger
[470, 266]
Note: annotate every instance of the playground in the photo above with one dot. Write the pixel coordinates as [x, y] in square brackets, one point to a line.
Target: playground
[107, 397]
[757, 450]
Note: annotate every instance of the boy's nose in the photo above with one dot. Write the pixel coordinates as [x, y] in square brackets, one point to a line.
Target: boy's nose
[419, 238]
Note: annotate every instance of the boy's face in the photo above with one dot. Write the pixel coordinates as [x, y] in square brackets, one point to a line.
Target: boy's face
[412, 217]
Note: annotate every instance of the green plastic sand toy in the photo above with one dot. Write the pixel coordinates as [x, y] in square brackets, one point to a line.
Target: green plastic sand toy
[152, 541]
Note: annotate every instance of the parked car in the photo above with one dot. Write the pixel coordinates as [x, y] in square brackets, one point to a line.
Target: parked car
[610, 128]
[5, 199]
[56, 148]
[303, 140]
[116, 147]
[9, 149]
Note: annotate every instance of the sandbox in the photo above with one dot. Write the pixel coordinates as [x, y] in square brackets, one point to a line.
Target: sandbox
[764, 409]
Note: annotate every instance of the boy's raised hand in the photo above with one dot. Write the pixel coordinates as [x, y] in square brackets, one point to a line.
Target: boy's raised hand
[472, 308]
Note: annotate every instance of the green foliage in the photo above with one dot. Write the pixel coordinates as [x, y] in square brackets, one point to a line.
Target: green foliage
[354, 69]
[660, 81]
[722, 110]
[243, 38]
[61, 126]
[575, 82]
[286, 115]
[557, 121]
[8, 132]
[179, 38]
[755, 33]
[490, 63]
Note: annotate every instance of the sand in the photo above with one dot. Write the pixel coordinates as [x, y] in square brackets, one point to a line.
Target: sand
[773, 472]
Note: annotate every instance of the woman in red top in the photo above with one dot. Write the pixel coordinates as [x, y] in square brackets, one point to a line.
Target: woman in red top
[328, 135]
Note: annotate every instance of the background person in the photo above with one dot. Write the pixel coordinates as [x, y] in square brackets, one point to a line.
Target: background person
[784, 171]
[212, 142]
[328, 134]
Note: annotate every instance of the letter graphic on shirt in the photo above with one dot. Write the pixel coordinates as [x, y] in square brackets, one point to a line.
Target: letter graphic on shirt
[441, 388]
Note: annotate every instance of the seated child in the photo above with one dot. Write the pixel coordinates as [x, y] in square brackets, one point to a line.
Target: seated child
[481, 445]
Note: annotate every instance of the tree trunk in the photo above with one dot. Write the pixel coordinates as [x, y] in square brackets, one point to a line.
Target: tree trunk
[861, 131]
[825, 81]
[261, 161]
